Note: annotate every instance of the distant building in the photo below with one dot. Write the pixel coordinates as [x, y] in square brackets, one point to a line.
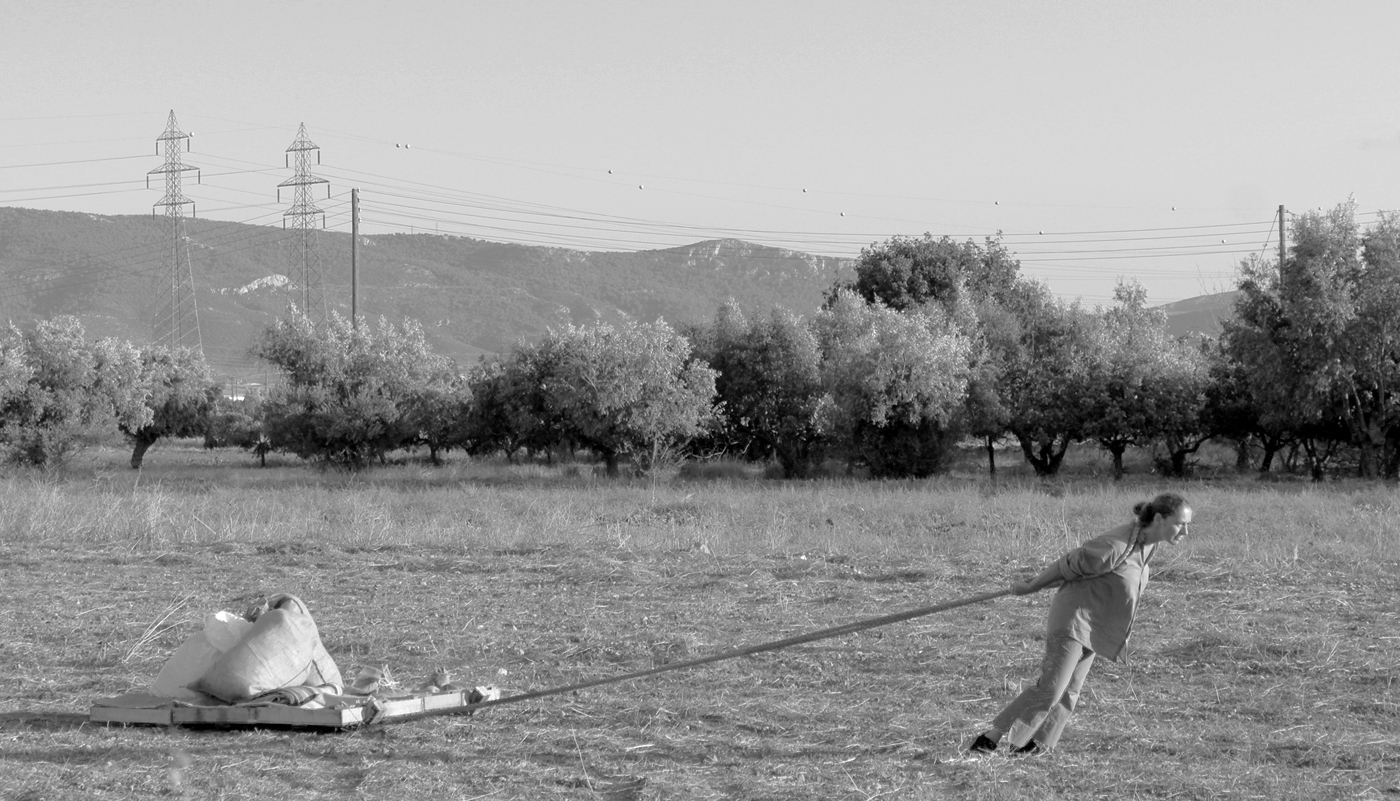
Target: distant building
[244, 390]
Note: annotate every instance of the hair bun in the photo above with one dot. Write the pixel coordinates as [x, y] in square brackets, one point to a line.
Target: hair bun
[1164, 505]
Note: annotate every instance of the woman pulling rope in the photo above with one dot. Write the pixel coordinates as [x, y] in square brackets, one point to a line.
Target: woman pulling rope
[1100, 583]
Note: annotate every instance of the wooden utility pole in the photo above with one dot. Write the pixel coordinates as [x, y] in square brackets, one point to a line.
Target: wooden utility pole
[1280, 244]
[355, 246]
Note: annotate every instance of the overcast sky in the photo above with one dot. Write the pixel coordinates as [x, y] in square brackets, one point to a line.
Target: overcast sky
[1153, 141]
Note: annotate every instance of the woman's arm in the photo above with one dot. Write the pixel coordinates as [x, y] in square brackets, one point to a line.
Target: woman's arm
[1045, 578]
[1087, 561]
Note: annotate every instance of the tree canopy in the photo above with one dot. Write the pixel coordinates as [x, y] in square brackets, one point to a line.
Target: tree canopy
[181, 394]
[351, 393]
[60, 393]
[894, 383]
[632, 390]
[769, 386]
[906, 272]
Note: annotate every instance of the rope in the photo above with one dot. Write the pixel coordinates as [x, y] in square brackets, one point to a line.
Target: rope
[732, 653]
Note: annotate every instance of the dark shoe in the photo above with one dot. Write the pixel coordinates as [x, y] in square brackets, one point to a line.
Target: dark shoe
[982, 745]
[1030, 748]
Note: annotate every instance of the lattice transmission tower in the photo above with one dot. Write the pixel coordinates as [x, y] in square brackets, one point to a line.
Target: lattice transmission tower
[177, 316]
[304, 257]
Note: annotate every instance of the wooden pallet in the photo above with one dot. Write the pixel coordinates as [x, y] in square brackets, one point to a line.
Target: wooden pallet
[138, 708]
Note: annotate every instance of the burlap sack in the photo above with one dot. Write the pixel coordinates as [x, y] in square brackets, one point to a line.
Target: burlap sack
[222, 631]
[283, 649]
[323, 669]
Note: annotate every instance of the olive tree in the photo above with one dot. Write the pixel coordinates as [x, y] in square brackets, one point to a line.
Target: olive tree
[239, 422]
[349, 392]
[181, 394]
[1372, 395]
[630, 390]
[768, 385]
[60, 393]
[1044, 384]
[908, 272]
[1316, 338]
[1144, 386]
[518, 400]
[893, 384]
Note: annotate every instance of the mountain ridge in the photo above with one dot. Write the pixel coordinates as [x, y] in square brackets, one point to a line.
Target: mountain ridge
[472, 296]
[1203, 315]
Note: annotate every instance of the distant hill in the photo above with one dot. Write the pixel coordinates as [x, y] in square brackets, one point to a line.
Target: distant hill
[473, 297]
[1201, 315]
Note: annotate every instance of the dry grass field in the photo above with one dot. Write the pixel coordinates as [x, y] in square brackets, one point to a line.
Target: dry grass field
[1265, 664]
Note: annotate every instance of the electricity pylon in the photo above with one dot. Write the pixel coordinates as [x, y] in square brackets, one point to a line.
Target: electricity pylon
[177, 316]
[305, 260]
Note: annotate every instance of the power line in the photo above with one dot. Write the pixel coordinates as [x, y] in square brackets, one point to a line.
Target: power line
[454, 198]
[65, 163]
[111, 183]
[408, 211]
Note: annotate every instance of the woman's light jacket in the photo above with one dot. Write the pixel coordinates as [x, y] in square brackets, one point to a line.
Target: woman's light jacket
[1104, 578]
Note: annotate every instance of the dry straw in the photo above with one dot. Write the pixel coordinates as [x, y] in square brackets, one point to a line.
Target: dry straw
[1263, 661]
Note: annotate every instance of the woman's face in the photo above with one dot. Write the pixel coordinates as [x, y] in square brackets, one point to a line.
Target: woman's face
[1171, 529]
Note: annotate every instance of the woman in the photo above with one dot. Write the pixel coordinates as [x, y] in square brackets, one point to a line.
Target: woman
[1092, 614]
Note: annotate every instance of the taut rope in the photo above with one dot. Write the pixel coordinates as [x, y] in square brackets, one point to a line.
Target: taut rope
[732, 653]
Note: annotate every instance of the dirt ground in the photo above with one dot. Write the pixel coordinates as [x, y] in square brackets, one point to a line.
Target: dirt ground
[1278, 684]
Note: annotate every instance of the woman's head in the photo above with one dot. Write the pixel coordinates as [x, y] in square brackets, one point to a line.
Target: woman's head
[1165, 518]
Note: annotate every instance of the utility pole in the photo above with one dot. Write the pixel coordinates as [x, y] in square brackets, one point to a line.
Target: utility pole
[303, 214]
[1280, 245]
[177, 318]
[354, 267]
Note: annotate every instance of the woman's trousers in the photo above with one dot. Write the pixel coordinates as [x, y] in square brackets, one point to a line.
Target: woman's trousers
[1041, 712]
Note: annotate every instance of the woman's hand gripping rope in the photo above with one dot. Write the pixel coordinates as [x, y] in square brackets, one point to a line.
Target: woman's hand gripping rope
[1049, 577]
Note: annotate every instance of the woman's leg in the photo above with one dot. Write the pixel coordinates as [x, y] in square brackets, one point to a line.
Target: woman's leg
[1049, 732]
[1022, 718]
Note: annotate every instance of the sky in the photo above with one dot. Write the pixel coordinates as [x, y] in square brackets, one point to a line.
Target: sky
[1103, 140]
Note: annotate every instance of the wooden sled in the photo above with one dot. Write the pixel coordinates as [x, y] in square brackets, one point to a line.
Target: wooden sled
[344, 712]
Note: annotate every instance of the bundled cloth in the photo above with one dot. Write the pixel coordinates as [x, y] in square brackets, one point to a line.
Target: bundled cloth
[303, 695]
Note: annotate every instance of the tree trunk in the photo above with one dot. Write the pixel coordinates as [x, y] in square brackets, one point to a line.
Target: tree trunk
[141, 443]
[1391, 458]
[1242, 455]
[1179, 463]
[610, 460]
[1317, 460]
[1273, 445]
[1371, 445]
[1366, 462]
[1045, 456]
[1180, 448]
[991, 456]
